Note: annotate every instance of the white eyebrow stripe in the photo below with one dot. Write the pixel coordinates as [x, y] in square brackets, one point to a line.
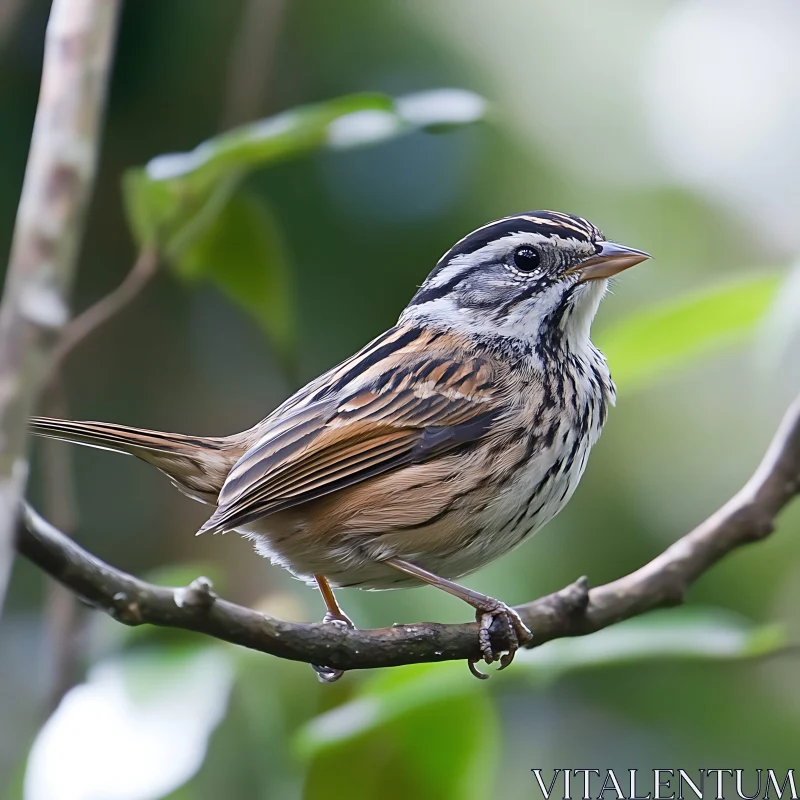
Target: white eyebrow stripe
[565, 222]
[497, 248]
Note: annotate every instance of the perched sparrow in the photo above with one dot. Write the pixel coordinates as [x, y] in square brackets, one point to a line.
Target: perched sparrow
[439, 446]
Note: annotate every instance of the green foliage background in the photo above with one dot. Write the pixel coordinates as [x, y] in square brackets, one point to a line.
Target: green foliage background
[285, 247]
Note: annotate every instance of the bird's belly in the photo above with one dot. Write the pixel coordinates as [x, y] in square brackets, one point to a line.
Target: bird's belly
[481, 525]
[541, 489]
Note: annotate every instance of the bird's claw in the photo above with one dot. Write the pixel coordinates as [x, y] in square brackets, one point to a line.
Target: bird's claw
[505, 660]
[472, 664]
[517, 634]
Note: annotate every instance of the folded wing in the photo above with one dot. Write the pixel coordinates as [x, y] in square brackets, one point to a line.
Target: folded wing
[396, 406]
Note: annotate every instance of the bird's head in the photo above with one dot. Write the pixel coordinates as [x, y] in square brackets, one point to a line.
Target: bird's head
[527, 276]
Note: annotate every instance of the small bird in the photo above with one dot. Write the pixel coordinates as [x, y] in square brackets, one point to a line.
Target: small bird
[442, 444]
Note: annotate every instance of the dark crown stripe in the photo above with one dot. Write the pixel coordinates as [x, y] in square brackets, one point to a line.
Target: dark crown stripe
[543, 223]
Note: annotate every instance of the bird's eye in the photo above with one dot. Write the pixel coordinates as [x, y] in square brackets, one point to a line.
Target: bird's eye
[526, 259]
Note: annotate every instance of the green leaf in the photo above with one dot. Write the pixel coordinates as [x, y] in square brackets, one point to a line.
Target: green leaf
[781, 324]
[433, 718]
[165, 198]
[384, 699]
[655, 340]
[190, 206]
[242, 253]
[694, 634]
[438, 722]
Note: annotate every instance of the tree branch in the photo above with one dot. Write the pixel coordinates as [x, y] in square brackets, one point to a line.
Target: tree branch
[748, 517]
[55, 193]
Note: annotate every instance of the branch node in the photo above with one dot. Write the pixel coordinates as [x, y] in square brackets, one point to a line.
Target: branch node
[198, 594]
[42, 305]
[763, 526]
[126, 610]
[674, 595]
[577, 597]
[756, 523]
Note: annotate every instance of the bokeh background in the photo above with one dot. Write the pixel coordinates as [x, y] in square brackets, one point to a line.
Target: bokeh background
[670, 124]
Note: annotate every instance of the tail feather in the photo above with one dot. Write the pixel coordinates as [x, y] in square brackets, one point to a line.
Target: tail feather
[196, 465]
[104, 435]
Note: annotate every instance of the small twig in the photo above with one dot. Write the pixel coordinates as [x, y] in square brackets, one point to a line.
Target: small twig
[58, 180]
[251, 60]
[247, 90]
[87, 322]
[749, 516]
[10, 13]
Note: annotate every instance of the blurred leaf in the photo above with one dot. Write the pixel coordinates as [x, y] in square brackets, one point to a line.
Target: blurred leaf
[171, 199]
[382, 700]
[781, 323]
[241, 251]
[394, 702]
[698, 634]
[12, 786]
[189, 205]
[138, 727]
[433, 718]
[654, 340]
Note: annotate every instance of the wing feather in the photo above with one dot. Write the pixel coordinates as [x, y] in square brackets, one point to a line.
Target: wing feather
[398, 404]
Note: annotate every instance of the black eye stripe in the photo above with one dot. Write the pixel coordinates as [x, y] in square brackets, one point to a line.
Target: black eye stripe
[427, 294]
[529, 291]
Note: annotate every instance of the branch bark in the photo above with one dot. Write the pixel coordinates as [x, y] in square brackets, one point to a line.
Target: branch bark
[575, 610]
[55, 194]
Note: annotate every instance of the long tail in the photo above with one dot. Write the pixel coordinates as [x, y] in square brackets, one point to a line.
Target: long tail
[195, 465]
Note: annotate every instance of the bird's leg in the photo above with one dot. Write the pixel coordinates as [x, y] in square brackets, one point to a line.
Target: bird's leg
[487, 610]
[333, 616]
